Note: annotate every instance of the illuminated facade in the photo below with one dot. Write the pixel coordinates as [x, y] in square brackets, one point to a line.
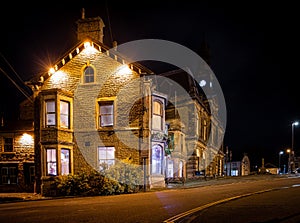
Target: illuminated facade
[92, 109]
[17, 169]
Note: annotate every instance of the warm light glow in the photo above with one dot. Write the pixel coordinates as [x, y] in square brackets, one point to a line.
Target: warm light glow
[26, 140]
[124, 69]
[58, 78]
[51, 71]
[288, 150]
[87, 45]
[88, 48]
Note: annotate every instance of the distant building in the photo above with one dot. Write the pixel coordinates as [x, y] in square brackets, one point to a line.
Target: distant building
[238, 168]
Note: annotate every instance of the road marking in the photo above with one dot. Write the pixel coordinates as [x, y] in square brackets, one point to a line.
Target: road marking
[184, 214]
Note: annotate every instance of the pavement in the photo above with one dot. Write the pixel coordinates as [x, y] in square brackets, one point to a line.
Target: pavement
[197, 182]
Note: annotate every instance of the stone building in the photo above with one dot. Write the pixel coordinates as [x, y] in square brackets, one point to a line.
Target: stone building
[93, 108]
[17, 167]
[192, 126]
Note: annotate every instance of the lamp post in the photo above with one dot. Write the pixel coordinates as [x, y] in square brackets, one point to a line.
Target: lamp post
[280, 153]
[289, 161]
[292, 148]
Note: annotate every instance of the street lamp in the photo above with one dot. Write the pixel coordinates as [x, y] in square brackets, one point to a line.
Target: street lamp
[292, 148]
[280, 153]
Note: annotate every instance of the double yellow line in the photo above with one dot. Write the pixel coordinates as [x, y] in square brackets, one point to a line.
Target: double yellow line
[184, 214]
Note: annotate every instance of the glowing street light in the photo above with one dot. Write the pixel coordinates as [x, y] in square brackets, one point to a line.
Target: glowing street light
[291, 155]
[279, 168]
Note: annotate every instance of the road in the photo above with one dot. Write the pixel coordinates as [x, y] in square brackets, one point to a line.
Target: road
[234, 202]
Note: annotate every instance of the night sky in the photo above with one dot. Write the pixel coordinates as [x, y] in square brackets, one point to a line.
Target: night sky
[254, 55]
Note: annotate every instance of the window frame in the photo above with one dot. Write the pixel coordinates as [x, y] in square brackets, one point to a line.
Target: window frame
[48, 113]
[111, 115]
[68, 162]
[9, 176]
[105, 160]
[88, 78]
[64, 115]
[159, 115]
[51, 162]
[157, 167]
[9, 145]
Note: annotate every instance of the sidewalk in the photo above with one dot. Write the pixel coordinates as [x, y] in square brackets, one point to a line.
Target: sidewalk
[16, 197]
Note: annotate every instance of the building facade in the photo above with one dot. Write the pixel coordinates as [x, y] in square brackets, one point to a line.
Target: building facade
[93, 109]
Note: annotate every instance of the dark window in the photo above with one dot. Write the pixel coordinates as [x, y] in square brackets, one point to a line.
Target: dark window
[9, 175]
[89, 74]
[8, 145]
[29, 173]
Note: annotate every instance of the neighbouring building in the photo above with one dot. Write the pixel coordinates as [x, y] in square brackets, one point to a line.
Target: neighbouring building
[238, 168]
[93, 108]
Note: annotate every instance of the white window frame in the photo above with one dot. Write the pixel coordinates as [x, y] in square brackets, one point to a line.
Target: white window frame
[65, 161]
[51, 162]
[64, 114]
[50, 115]
[106, 155]
[103, 114]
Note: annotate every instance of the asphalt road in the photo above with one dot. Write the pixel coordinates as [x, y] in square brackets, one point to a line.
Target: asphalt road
[162, 206]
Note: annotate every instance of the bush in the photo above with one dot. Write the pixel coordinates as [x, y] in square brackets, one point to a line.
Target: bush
[129, 175]
[123, 177]
[83, 183]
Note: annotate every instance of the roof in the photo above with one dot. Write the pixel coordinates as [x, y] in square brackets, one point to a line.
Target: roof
[79, 47]
[189, 84]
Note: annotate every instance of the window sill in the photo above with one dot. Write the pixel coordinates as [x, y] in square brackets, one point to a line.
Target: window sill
[8, 153]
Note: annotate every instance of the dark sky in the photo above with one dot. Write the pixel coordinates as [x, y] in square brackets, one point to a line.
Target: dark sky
[254, 54]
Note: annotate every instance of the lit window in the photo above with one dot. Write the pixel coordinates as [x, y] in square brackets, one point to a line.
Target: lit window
[89, 74]
[106, 157]
[106, 113]
[170, 170]
[9, 175]
[157, 115]
[64, 114]
[157, 157]
[65, 161]
[51, 162]
[8, 145]
[204, 130]
[50, 113]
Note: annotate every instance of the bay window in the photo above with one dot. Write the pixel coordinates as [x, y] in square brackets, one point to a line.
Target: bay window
[50, 113]
[51, 162]
[64, 114]
[65, 161]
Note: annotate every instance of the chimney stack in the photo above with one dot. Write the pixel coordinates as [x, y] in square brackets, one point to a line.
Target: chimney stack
[90, 28]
